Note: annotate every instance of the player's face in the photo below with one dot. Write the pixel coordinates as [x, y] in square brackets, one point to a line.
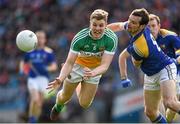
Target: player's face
[154, 27]
[97, 28]
[133, 24]
[41, 38]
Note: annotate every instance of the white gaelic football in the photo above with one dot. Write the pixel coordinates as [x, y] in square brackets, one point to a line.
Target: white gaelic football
[26, 40]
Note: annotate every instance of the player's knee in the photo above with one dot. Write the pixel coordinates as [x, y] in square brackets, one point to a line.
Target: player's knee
[84, 104]
[63, 98]
[36, 103]
[34, 98]
[170, 103]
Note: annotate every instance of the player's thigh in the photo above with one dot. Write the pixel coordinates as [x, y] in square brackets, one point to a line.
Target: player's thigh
[168, 82]
[33, 89]
[34, 95]
[152, 99]
[71, 82]
[152, 95]
[87, 92]
[88, 89]
[68, 88]
[178, 86]
[168, 89]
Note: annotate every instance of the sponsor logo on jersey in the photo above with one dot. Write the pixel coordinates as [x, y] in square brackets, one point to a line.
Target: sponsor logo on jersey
[89, 54]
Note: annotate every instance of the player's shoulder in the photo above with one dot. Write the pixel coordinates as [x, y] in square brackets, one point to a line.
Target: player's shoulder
[48, 49]
[165, 33]
[81, 34]
[109, 33]
[84, 31]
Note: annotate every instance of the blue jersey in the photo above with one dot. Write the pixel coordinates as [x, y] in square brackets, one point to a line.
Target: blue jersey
[169, 43]
[143, 47]
[40, 59]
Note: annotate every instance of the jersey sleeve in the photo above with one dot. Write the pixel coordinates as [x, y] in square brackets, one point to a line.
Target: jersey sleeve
[51, 58]
[111, 44]
[50, 55]
[74, 44]
[175, 42]
[76, 41]
[134, 52]
[139, 48]
[173, 38]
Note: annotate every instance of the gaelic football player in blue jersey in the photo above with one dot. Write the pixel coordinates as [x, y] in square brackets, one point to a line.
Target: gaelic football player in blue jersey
[170, 44]
[41, 61]
[159, 69]
[90, 55]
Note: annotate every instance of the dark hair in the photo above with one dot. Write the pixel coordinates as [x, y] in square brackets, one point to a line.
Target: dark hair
[143, 14]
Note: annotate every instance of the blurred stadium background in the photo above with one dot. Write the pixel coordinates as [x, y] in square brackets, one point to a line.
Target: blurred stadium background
[61, 19]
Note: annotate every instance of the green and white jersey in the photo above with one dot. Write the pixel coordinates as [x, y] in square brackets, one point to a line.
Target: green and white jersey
[90, 51]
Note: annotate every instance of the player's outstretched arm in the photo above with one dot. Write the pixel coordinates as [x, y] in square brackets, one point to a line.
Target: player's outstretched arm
[125, 82]
[105, 62]
[117, 26]
[122, 63]
[66, 69]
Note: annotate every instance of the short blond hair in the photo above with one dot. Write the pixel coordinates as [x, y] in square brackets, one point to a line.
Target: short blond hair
[99, 14]
[154, 17]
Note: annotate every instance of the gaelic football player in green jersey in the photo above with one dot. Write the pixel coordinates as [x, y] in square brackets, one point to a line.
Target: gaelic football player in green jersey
[90, 55]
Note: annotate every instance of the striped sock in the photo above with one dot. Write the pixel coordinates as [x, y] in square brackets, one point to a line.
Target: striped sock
[160, 119]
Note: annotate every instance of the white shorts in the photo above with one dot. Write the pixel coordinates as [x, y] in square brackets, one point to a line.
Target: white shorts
[77, 76]
[39, 83]
[153, 82]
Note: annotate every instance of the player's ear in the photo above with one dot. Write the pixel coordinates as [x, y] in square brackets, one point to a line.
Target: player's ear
[142, 26]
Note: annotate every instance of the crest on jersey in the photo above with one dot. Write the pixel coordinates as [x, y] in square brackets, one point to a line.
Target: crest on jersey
[101, 48]
[86, 46]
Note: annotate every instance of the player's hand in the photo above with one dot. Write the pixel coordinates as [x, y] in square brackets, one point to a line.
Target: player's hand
[126, 83]
[88, 73]
[54, 85]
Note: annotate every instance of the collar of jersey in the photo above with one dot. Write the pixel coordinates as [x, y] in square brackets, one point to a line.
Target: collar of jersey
[159, 36]
[137, 35]
[92, 36]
